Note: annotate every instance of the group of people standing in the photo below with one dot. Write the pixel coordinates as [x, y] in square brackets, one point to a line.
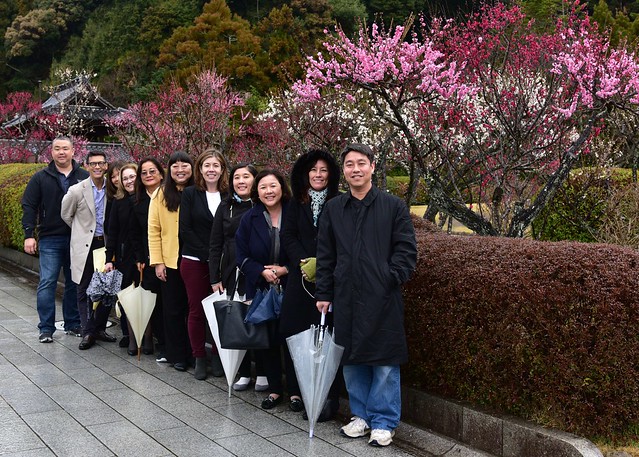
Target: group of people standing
[203, 227]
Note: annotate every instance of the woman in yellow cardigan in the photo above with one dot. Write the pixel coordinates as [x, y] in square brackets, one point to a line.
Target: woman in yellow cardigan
[164, 254]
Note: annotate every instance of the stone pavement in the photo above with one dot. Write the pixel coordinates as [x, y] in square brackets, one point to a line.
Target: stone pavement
[58, 400]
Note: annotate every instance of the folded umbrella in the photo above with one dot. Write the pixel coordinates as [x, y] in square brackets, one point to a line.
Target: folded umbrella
[138, 304]
[316, 358]
[266, 308]
[103, 287]
[231, 358]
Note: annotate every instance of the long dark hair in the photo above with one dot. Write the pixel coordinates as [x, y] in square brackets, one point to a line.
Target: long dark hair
[303, 165]
[111, 190]
[140, 190]
[172, 195]
[286, 192]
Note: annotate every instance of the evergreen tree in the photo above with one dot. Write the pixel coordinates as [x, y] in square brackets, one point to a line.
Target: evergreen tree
[218, 39]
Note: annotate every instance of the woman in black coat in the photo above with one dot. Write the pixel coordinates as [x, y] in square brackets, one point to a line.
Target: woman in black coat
[222, 262]
[263, 261]
[197, 212]
[314, 181]
[119, 243]
[149, 179]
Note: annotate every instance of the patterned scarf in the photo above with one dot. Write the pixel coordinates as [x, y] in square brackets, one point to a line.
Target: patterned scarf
[318, 198]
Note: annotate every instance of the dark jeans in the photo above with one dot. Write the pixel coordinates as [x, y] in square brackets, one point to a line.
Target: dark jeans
[92, 321]
[175, 310]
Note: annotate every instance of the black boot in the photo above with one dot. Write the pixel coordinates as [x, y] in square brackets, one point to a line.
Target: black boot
[200, 368]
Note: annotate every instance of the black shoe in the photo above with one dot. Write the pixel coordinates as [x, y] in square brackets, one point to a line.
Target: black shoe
[296, 405]
[124, 341]
[216, 366]
[75, 331]
[161, 358]
[132, 352]
[87, 342]
[180, 366]
[104, 336]
[271, 402]
[46, 337]
[329, 410]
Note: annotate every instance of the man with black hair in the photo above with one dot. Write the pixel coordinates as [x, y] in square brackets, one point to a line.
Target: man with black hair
[83, 210]
[366, 249]
[41, 203]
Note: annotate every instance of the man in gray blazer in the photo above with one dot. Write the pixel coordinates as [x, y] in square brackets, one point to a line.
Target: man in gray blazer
[83, 209]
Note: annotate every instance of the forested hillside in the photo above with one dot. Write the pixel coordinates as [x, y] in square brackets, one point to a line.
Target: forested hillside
[135, 45]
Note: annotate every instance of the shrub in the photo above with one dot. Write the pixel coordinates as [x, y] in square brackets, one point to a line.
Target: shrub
[544, 330]
[13, 181]
[577, 209]
[398, 186]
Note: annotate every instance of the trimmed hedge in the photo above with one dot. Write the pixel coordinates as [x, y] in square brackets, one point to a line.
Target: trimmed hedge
[547, 331]
[13, 180]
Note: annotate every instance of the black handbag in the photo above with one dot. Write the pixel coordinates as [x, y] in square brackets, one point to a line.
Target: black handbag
[234, 333]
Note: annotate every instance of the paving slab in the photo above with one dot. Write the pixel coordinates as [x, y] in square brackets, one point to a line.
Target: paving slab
[56, 400]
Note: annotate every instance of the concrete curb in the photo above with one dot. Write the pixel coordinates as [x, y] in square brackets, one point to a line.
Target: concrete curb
[501, 436]
[473, 432]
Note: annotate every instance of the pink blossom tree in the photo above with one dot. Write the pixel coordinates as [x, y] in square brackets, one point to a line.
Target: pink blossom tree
[190, 118]
[26, 130]
[288, 127]
[494, 113]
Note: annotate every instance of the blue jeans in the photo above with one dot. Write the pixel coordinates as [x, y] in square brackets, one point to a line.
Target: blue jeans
[54, 254]
[374, 394]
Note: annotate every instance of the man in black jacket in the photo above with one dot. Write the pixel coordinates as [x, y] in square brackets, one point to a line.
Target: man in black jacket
[366, 249]
[41, 212]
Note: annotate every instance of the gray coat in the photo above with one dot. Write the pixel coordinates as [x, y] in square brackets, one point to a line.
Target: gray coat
[363, 257]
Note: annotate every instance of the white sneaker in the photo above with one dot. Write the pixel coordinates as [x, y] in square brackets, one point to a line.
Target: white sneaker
[356, 428]
[381, 437]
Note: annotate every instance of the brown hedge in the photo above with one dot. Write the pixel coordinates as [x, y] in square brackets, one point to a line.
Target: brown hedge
[545, 330]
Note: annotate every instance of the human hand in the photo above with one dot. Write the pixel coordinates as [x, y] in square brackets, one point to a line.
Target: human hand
[160, 271]
[323, 306]
[108, 267]
[30, 246]
[308, 267]
[270, 274]
[140, 266]
[217, 287]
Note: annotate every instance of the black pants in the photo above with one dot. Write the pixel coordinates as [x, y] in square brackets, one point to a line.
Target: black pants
[92, 321]
[175, 310]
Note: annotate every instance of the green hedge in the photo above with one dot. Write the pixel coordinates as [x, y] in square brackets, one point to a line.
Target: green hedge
[577, 209]
[398, 186]
[13, 180]
[543, 330]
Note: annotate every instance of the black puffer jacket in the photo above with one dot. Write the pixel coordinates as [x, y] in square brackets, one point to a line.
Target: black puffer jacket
[42, 201]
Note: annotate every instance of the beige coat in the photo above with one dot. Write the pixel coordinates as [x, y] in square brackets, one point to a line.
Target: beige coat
[78, 211]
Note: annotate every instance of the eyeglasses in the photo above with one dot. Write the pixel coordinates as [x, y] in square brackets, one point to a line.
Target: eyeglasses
[150, 172]
[96, 164]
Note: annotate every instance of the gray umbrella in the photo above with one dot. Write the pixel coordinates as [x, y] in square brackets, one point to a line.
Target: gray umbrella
[316, 358]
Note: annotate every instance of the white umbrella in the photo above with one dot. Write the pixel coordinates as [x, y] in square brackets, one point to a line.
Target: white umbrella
[316, 358]
[138, 304]
[231, 358]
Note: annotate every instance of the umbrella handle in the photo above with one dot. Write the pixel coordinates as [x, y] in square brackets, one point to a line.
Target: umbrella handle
[323, 319]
